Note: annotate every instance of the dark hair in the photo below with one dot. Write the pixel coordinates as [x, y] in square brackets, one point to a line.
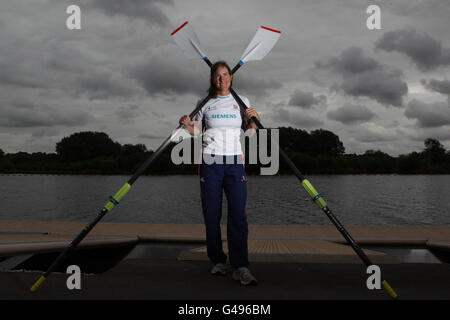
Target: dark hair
[212, 85]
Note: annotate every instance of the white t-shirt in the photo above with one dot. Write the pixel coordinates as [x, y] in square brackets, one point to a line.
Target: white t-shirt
[223, 121]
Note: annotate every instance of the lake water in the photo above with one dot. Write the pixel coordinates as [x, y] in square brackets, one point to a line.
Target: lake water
[354, 199]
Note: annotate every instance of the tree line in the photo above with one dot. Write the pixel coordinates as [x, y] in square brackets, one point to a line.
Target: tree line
[316, 152]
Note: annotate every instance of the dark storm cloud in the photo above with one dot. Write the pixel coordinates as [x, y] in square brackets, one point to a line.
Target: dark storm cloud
[306, 100]
[295, 118]
[368, 135]
[422, 9]
[428, 115]
[384, 86]
[158, 115]
[158, 75]
[364, 76]
[147, 10]
[21, 116]
[151, 136]
[101, 86]
[437, 85]
[16, 75]
[46, 132]
[426, 52]
[128, 113]
[22, 103]
[350, 114]
[352, 61]
[249, 85]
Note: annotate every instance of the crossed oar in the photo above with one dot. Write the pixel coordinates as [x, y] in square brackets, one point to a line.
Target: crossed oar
[261, 44]
[258, 48]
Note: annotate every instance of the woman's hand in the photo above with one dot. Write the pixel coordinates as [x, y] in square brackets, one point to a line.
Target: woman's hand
[190, 125]
[185, 120]
[250, 112]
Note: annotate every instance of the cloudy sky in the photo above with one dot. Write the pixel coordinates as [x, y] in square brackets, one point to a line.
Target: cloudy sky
[122, 73]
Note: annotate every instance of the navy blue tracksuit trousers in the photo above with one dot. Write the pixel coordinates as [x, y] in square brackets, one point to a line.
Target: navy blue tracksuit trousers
[232, 178]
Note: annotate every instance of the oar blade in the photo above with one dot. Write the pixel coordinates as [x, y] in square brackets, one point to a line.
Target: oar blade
[261, 44]
[185, 38]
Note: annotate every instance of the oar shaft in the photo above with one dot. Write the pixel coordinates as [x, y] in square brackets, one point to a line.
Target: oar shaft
[75, 242]
[318, 199]
[66, 252]
[307, 185]
[236, 67]
[113, 201]
[118, 196]
[347, 236]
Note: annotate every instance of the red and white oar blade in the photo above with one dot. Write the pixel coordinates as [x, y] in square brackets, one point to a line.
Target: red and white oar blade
[261, 44]
[187, 40]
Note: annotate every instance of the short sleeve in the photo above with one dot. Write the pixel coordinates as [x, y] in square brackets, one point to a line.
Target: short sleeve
[247, 103]
[199, 115]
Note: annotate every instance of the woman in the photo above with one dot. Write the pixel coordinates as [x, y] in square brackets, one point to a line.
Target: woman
[222, 168]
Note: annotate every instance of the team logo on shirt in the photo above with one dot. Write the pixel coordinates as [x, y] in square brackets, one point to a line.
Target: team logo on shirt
[235, 107]
[224, 116]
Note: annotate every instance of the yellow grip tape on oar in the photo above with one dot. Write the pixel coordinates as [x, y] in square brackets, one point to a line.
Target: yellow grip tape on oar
[119, 195]
[317, 198]
[389, 289]
[37, 284]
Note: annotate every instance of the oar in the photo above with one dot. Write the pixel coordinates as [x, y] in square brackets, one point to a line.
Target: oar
[181, 33]
[113, 201]
[252, 53]
[260, 45]
[318, 199]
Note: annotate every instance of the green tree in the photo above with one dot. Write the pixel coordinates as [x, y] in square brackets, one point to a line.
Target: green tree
[410, 163]
[325, 142]
[376, 154]
[130, 149]
[434, 150]
[87, 145]
[295, 140]
[131, 157]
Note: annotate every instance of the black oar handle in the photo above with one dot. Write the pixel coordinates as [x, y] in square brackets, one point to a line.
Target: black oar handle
[75, 243]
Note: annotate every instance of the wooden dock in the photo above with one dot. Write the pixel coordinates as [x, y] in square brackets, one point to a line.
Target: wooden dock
[277, 243]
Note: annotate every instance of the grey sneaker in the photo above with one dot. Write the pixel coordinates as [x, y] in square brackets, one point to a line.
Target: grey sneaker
[244, 275]
[219, 269]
